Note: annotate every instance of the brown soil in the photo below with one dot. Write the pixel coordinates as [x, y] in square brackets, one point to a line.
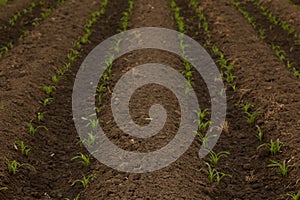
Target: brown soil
[274, 34]
[12, 33]
[296, 2]
[164, 183]
[21, 92]
[12, 7]
[285, 11]
[261, 79]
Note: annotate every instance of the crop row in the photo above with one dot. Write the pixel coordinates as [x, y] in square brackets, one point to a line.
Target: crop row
[286, 51]
[33, 127]
[21, 23]
[84, 159]
[214, 174]
[274, 146]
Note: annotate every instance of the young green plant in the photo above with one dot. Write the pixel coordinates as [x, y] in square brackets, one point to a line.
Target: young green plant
[85, 180]
[14, 166]
[274, 147]
[24, 149]
[282, 166]
[85, 160]
[33, 130]
[214, 157]
[294, 196]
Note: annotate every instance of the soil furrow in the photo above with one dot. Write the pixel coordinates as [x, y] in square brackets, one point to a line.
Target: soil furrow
[275, 36]
[14, 31]
[260, 80]
[23, 72]
[180, 180]
[59, 45]
[55, 148]
[284, 11]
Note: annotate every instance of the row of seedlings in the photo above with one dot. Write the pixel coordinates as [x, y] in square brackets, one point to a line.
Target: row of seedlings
[274, 147]
[14, 166]
[17, 19]
[85, 159]
[214, 174]
[290, 33]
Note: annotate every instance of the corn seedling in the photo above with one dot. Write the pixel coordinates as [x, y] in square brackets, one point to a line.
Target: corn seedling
[201, 114]
[24, 149]
[204, 125]
[101, 88]
[14, 166]
[76, 198]
[214, 174]
[49, 89]
[246, 107]
[59, 71]
[262, 33]
[289, 65]
[33, 130]
[67, 65]
[3, 188]
[85, 180]
[229, 77]
[252, 117]
[204, 139]
[85, 160]
[40, 116]
[274, 147]
[93, 123]
[294, 196]
[234, 87]
[47, 101]
[72, 55]
[260, 134]
[283, 167]
[98, 110]
[214, 157]
[210, 171]
[54, 79]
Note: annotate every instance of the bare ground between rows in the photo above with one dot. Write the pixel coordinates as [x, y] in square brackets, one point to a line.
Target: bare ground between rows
[12, 7]
[263, 80]
[25, 70]
[275, 35]
[179, 180]
[13, 33]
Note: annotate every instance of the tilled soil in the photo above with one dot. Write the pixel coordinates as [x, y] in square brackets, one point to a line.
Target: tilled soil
[285, 11]
[261, 79]
[10, 33]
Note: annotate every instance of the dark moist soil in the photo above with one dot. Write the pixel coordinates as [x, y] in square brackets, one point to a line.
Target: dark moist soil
[238, 139]
[52, 150]
[252, 179]
[24, 70]
[12, 7]
[296, 2]
[181, 179]
[275, 35]
[13, 33]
